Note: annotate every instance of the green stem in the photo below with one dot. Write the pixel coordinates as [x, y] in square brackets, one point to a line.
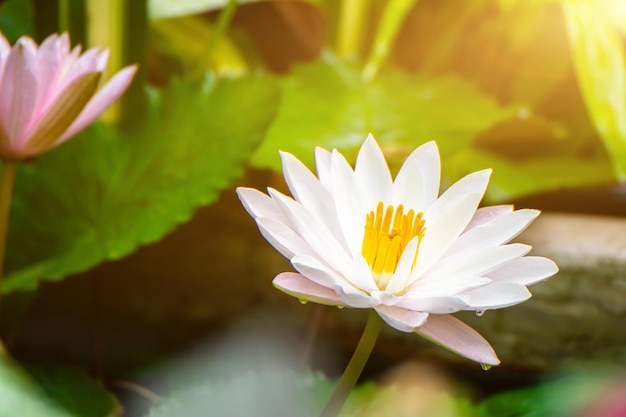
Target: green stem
[394, 15]
[7, 178]
[355, 367]
[223, 22]
[64, 14]
[352, 15]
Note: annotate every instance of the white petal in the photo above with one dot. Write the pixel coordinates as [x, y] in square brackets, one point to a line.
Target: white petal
[308, 191]
[453, 334]
[449, 215]
[471, 185]
[353, 297]
[495, 232]
[400, 277]
[349, 202]
[446, 285]
[435, 305]
[300, 287]
[401, 318]
[478, 262]
[487, 214]
[258, 204]
[314, 232]
[525, 271]
[417, 183]
[322, 163]
[361, 276]
[497, 295]
[318, 272]
[283, 238]
[372, 173]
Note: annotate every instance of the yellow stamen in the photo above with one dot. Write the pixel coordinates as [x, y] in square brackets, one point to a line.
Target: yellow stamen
[386, 236]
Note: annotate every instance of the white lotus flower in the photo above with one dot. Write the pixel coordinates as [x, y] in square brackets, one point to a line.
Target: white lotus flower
[359, 238]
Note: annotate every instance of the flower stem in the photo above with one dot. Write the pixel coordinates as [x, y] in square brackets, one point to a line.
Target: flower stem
[351, 27]
[7, 178]
[221, 26]
[355, 367]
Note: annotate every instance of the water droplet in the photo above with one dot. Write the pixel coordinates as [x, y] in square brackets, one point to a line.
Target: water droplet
[485, 366]
[340, 307]
[479, 313]
[303, 301]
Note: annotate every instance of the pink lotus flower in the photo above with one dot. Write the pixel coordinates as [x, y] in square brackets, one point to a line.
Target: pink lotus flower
[49, 93]
[359, 238]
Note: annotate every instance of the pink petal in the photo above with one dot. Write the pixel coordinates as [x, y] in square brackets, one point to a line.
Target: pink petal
[61, 114]
[401, 318]
[451, 333]
[51, 57]
[101, 101]
[18, 95]
[5, 47]
[87, 62]
[103, 59]
[302, 288]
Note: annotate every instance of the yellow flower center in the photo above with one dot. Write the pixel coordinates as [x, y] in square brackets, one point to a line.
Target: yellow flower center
[387, 232]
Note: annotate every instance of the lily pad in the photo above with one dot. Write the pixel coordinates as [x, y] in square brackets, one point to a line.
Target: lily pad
[102, 195]
[326, 103]
[514, 179]
[52, 392]
[19, 395]
[75, 392]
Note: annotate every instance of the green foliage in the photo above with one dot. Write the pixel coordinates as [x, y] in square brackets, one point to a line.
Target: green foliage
[101, 195]
[159, 9]
[51, 392]
[393, 16]
[559, 398]
[19, 395]
[304, 394]
[512, 179]
[598, 53]
[326, 103]
[75, 392]
[16, 18]
[259, 394]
